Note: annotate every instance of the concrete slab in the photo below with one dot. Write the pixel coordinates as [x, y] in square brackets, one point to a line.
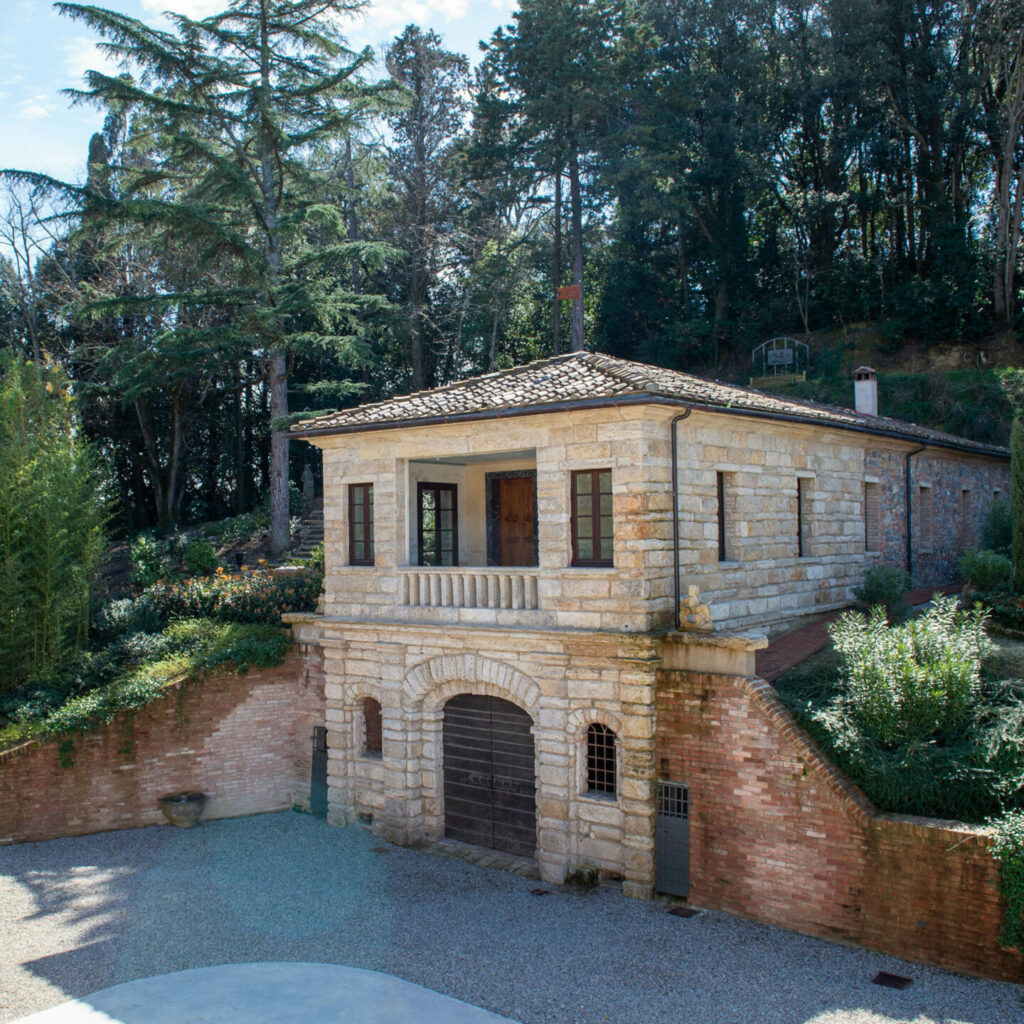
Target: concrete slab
[270, 993]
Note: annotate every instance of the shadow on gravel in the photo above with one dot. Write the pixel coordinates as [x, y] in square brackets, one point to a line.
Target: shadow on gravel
[100, 910]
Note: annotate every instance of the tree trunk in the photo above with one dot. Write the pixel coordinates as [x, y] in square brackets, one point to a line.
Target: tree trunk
[241, 466]
[576, 243]
[556, 269]
[280, 531]
[277, 361]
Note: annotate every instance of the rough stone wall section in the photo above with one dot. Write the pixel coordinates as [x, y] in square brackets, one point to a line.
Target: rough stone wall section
[242, 740]
[962, 489]
[777, 834]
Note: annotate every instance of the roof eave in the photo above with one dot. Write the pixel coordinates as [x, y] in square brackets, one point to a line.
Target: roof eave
[648, 398]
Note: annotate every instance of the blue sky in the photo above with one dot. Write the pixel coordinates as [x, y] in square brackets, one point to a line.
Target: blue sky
[42, 53]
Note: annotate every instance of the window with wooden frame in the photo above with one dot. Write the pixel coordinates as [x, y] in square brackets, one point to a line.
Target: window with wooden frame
[926, 518]
[601, 768]
[593, 541]
[437, 524]
[360, 524]
[872, 516]
[373, 728]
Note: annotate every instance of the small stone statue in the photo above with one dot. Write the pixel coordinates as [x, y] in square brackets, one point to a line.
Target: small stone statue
[695, 617]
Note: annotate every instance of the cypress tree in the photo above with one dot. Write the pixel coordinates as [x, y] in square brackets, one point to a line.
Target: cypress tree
[51, 523]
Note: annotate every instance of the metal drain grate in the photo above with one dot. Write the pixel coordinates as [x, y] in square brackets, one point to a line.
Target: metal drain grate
[891, 980]
[684, 912]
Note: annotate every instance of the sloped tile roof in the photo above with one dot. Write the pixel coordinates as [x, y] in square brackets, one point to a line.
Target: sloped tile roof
[580, 378]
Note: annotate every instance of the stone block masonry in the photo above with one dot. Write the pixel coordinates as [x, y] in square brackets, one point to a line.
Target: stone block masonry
[777, 834]
[242, 740]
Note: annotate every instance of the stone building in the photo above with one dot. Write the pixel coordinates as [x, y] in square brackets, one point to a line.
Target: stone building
[521, 566]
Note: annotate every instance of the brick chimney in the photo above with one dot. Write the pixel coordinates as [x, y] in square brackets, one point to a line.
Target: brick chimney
[865, 391]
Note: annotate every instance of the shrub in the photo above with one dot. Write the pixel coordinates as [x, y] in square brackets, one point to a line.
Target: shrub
[316, 556]
[985, 570]
[914, 681]
[124, 616]
[258, 596]
[1008, 851]
[997, 530]
[51, 523]
[148, 564]
[1007, 609]
[200, 558]
[911, 719]
[247, 526]
[886, 587]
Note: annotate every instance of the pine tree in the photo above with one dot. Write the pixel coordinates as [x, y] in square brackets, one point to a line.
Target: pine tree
[239, 99]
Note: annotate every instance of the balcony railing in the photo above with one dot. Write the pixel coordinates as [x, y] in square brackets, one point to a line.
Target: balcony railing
[469, 587]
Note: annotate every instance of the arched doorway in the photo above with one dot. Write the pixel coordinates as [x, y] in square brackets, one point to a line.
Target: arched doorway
[489, 784]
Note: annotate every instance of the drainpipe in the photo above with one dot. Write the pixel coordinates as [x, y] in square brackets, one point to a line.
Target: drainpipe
[910, 524]
[675, 514]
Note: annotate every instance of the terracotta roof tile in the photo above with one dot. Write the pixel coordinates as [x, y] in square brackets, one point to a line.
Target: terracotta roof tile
[588, 376]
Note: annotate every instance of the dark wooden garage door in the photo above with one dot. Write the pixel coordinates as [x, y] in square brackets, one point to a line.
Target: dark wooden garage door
[488, 774]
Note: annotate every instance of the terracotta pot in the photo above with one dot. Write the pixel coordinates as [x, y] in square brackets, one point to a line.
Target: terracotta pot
[183, 809]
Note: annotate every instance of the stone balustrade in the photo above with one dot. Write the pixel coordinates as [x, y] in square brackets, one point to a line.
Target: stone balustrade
[469, 587]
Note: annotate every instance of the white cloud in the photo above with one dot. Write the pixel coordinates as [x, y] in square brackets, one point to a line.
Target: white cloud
[81, 54]
[37, 107]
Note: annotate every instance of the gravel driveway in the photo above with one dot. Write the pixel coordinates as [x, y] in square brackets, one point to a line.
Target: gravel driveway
[81, 914]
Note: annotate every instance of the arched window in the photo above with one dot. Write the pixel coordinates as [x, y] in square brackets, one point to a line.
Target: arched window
[372, 728]
[600, 759]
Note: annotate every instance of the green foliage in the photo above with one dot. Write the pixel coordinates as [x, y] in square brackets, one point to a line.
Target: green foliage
[1007, 608]
[908, 713]
[200, 558]
[148, 562]
[997, 530]
[124, 616]
[914, 681]
[1008, 851]
[134, 671]
[1017, 501]
[51, 523]
[316, 556]
[985, 570]
[261, 595]
[886, 587]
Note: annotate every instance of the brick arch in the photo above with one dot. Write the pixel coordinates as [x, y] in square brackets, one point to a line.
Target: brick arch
[439, 679]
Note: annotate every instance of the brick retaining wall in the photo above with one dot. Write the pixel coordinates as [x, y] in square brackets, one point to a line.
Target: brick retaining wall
[777, 834]
[243, 740]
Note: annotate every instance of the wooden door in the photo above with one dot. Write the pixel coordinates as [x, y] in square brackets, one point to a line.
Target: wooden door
[489, 778]
[516, 524]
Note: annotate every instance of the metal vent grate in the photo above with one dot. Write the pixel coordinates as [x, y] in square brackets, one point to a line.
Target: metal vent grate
[673, 800]
[888, 980]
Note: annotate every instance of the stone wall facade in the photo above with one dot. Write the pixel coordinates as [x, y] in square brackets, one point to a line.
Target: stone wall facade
[781, 563]
[777, 834]
[564, 681]
[242, 740]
